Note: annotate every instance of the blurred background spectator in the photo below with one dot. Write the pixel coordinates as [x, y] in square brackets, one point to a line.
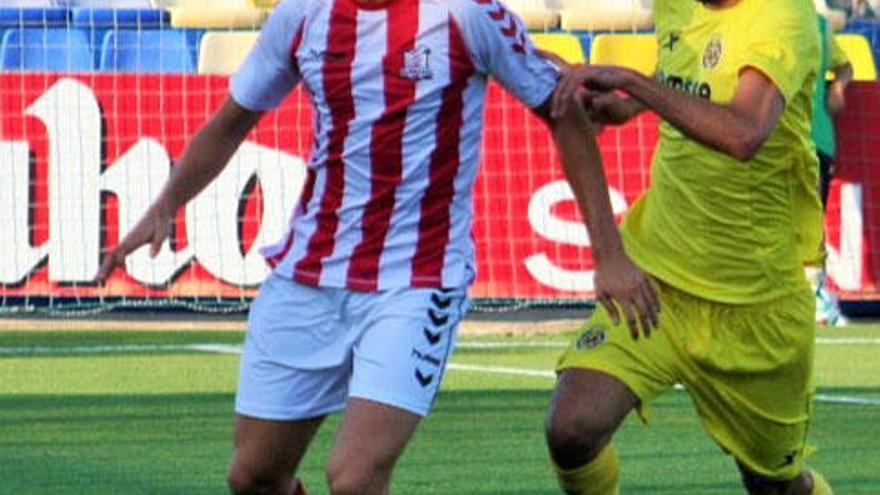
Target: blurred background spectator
[863, 9]
[828, 100]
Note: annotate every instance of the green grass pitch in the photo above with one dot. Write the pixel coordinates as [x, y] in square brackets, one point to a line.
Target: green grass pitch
[151, 413]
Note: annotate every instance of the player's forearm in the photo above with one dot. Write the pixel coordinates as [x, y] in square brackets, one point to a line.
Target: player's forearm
[713, 125]
[582, 164]
[207, 154]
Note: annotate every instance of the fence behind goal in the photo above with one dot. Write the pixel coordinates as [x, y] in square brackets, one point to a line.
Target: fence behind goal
[96, 104]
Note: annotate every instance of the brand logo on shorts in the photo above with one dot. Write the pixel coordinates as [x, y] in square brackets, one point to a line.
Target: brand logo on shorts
[789, 458]
[416, 64]
[423, 379]
[592, 337]
[713, 52]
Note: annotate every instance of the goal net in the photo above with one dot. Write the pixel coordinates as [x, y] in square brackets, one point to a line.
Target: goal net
[97, 104]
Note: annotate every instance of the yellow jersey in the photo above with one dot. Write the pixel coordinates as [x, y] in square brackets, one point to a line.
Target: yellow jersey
[711, 225]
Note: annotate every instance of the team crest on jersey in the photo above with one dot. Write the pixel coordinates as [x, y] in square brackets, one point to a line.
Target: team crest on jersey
[712, 54]
[417, 64]
[592, 337]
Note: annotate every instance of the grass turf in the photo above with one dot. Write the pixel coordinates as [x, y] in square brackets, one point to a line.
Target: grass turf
[81, 417]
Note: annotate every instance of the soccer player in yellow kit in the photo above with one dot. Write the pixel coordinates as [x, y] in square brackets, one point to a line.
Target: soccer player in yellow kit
[730, 219]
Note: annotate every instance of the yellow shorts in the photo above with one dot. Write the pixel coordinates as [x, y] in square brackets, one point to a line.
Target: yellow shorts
[747, 368]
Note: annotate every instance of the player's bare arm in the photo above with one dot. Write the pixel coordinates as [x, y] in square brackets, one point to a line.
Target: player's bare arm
[836, 98]
[205, 157]
[620, 284]
[738, 128]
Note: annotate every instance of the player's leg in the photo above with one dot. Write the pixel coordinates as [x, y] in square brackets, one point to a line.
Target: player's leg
[806, 483]
[827, 305]
[294, 370]
[267, 454]
[749, 373]
[399, 360]
[602, 377]
[587, 408]
[370, 439]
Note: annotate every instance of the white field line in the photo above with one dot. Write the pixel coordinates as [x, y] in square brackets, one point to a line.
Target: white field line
[847, 341]
[236, 349]
[501, 370]
[842, 399]
[547, 344]
[99, 349]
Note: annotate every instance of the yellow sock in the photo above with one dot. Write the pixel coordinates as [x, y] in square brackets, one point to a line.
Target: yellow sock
[598, 477]
[820, 485]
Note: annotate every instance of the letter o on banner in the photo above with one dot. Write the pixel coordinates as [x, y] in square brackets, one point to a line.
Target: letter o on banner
[212, 218]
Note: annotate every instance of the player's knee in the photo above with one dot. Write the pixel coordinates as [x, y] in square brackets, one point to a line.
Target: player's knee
[573, 439]
[350, 478]
[243, 482]
[758, 485]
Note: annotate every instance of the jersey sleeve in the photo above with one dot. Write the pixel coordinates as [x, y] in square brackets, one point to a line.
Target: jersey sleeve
[500, 47]
[784, 46]
[268, 72]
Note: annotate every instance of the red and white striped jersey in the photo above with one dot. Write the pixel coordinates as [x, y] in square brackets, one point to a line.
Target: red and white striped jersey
[398, 90]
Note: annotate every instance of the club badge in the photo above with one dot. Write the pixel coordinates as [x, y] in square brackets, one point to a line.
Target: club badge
[417, 64]
[592, 338]
[712, 54]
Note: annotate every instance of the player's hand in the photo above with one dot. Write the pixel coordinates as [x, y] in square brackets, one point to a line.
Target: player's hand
[585, 96]
[586, 78]
[625, 290]
[610, 109]
[153, 228]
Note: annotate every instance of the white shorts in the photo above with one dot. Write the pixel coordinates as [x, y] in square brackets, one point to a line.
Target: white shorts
[308, 349]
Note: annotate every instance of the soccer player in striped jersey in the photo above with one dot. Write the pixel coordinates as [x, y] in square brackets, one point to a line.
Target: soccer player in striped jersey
[371, 280]
[729, 221]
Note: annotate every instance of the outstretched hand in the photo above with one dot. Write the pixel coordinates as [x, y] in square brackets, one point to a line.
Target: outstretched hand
[624, 289]
[153, 228]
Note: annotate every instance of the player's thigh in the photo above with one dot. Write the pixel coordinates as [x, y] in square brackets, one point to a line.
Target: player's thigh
[587, 407]
[751, 381]
[370, 439]
[604, 371]
[268, 452]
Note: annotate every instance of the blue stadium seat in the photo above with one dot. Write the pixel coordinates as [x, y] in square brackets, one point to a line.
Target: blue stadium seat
[119, 18]
[96, 22]
[154, 50]
[194, 40]
[15, 17]
[55, 49]
[110, 4]
[23, 17]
